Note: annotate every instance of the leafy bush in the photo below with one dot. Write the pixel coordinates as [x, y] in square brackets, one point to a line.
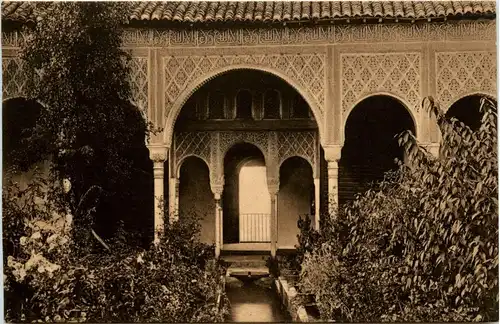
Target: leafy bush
[424, 245]
[308, 240]
[177, 281]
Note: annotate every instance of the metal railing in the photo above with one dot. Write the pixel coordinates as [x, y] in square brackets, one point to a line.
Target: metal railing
[255, 227]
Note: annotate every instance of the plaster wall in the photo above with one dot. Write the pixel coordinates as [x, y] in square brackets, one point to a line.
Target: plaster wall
[196, 197]
[294, 199]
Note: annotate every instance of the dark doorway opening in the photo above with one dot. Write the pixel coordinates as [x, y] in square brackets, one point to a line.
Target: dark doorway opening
[371, 147]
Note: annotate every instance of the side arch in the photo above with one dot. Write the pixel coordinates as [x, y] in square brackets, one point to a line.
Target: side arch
[199, 82]
[184, 158]
[291, 156]
[402, 101]
[455, 99]
[237, 141]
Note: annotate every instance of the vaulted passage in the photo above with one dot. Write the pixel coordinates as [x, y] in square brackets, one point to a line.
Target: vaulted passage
[371, 147]
[259, 139]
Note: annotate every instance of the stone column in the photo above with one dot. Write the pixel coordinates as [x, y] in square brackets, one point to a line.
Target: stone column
[333, 186]
[332, 156]
[316, 203]
[158, 154]
[217, 187]
[218, 224]
[173, 199]
[273, 191]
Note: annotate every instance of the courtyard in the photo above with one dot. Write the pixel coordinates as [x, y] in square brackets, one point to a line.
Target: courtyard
[222, 161]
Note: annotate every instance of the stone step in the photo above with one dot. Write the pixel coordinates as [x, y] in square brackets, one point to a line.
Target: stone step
[244, 258]
[247, 271]
[246, 261]
[246, 265]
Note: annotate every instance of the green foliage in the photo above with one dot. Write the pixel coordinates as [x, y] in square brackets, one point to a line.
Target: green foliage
[177, 281]
[308, 240]
[87, 125]
[423, 246]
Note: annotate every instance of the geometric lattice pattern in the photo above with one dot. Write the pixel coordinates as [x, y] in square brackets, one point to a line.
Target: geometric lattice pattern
[14, 78]
[301, 144]
[261, 139]
[307, 69]
[139, 82]
[193, 144]
[365, 74]
[463, 73]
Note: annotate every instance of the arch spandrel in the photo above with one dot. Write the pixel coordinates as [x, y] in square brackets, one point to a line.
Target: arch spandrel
[193, 144]
[461, 74]
[366, 74]
[183, 75]
[139, 85]
[300, 144]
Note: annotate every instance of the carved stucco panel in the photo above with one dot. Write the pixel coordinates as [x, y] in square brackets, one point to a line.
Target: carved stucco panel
[392, 73]
[14, 77]
[276, 147]
[193, 144]
[139, 82]
[301, 144]
[308, 70]
[463, 73]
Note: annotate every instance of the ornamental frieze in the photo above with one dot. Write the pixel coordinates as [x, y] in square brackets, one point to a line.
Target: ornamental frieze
[311, 35]
[373, 33]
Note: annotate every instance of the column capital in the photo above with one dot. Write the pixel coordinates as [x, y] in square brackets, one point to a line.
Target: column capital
[332, 152]
[217, 186]
[158, 153]
[218, 190]
[273, 185]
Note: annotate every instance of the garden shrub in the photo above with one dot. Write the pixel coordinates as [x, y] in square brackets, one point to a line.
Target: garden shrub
[308, 240]
[87, 123]
[177, 281]
[423, 246]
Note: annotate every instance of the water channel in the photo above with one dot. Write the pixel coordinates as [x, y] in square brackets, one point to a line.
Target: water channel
[254, 301]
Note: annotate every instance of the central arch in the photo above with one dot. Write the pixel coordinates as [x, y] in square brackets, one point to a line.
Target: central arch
[264, 134]
[191, 88]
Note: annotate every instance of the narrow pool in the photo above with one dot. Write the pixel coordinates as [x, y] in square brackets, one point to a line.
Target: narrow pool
[254, 301]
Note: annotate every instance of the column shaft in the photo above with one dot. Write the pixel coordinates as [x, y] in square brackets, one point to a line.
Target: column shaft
[158, 173]
[218, 227]
[274, 223]
[333, 190]
[317, 216]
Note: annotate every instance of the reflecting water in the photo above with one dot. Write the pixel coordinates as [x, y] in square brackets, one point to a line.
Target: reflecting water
[254, 302]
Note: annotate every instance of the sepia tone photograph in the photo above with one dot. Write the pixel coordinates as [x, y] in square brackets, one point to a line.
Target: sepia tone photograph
[249, 161]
